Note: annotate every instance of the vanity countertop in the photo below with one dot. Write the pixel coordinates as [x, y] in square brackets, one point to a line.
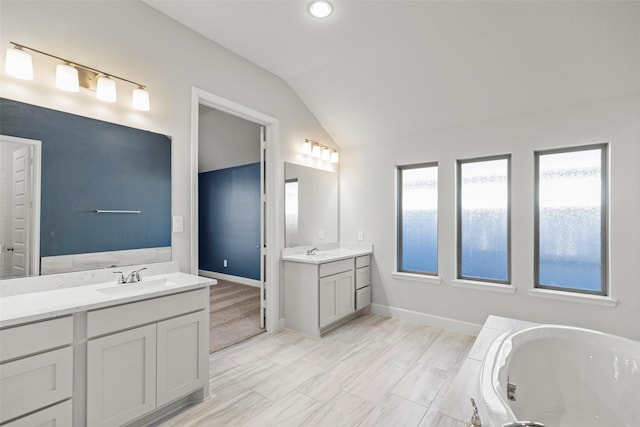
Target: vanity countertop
[321, 257]
[35, 306]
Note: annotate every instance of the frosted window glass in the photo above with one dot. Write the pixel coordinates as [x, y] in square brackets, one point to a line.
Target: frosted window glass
[570, 220]
[419, 220]
[484, 220]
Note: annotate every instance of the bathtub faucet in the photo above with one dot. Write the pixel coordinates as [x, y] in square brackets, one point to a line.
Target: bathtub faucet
[475, 418]
[523, 424]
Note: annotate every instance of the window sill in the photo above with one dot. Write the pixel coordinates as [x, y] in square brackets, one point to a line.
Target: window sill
[413, 277]
[574, 297]
[483, 286]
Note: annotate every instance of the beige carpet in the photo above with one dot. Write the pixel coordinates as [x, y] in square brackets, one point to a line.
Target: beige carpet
[235, 314]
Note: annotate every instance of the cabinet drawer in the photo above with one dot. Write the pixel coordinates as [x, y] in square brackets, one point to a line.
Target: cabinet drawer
[35, 382]
[57, 415]
[23, 340]
[126, 316]
[363, 297]
[329, 268]
[363, 261]
[363, 277]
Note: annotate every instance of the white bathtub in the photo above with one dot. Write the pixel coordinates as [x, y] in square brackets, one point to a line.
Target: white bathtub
[564, 377]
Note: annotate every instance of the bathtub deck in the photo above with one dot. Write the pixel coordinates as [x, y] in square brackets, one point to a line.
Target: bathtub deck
[455, 410]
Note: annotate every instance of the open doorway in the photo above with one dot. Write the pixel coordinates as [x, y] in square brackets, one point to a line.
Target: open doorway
[233, 166]
[230, 188]
[19, 207]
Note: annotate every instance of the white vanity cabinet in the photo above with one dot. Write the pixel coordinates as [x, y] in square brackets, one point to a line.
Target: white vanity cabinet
[320, 295]
[36, 373]
[143, 355]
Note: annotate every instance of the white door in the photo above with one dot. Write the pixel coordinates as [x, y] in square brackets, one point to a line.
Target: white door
[21, 213]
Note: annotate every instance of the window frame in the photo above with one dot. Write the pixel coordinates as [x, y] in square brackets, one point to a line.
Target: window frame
[604, 218]
[399, 241]
[459, 163]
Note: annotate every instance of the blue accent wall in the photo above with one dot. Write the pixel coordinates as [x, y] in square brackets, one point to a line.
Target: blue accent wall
[89, 164]
[229, 221]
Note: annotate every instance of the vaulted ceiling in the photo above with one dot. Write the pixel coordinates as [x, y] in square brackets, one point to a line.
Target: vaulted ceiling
[391, 68]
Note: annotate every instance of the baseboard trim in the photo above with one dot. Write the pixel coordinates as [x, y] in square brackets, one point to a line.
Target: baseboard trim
[235, 279]
[427, 319]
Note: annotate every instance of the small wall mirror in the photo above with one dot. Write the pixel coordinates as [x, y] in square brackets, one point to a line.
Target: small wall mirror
[311, 206]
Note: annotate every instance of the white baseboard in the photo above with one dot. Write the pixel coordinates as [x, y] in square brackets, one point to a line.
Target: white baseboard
[281, 323]
[235, 279]
[427, 319]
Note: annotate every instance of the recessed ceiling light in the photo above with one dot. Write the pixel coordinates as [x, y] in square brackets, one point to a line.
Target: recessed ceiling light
[320, 9]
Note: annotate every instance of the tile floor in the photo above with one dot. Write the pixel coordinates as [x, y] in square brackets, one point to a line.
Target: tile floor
[372, 371]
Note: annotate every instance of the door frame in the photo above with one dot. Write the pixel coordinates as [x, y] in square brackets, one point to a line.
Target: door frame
[35, 170]
[272, 125]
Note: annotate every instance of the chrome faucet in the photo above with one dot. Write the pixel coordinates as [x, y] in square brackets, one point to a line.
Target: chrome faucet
[133, 277]
[475, 418]
[312, 251]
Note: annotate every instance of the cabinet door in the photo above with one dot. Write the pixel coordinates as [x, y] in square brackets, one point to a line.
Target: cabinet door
[183, 352]
[121, 376]
[328, 306]
[345, 294]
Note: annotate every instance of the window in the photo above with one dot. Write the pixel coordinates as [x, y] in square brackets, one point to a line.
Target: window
[571, 219]
[484, 219]
[418, 219]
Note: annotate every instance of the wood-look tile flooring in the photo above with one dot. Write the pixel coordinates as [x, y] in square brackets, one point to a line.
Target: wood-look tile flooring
[372, 371]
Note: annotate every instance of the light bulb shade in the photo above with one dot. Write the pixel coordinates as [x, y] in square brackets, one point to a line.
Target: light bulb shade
[316, 151]
[326, 154]
[67, 78]
[140, 100]
[335, 157]
[18, 64]
[306, 147]
[106, 89]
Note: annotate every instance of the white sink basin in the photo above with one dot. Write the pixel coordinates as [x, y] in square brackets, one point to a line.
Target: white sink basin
[138, 287]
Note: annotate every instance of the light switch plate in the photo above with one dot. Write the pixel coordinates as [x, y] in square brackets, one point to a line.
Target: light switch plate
[177, 224]
[360, 236]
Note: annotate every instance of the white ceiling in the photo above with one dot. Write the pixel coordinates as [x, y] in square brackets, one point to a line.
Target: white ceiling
[394, 68]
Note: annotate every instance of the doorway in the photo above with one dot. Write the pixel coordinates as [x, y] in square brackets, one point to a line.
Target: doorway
[267, 201]
[19, 207]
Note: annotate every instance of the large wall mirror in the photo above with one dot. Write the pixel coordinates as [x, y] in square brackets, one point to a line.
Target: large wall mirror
[311, 206]
[79, 193]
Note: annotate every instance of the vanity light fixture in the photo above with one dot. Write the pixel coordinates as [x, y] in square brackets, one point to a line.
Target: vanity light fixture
[18, 63]
[106, 89]
[315, 149]
[67, 78]
[320, 9]
[306, 146]
[71, 75]
[335, 157]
